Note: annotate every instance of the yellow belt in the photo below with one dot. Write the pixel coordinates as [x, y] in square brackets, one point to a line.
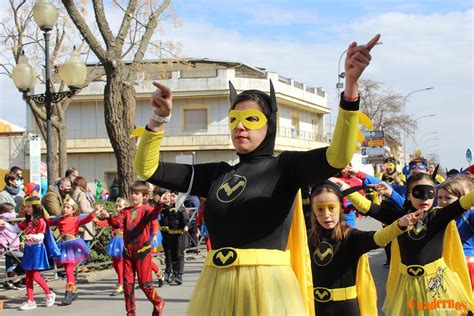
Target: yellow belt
[67, 237]
[166, 229]
[229, 257]
[419, 270]
[322, 294]
[118, 234]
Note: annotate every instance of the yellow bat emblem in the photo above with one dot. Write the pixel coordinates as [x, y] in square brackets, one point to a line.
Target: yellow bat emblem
[223, 258]
[415, 271]
[321, 294]
[229, 190]
[323, 255]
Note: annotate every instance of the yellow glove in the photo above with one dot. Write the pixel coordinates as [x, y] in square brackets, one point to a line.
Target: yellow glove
[467, 201]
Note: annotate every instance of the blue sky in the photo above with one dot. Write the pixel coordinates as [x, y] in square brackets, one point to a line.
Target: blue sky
[425, 44]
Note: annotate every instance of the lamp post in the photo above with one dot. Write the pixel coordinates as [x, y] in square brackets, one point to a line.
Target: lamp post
[73, 74]
[424, 134]
[428, 141]
[404, 114]
[424, 116]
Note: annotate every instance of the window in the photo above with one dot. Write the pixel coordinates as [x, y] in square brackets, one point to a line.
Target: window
[195, 120]
[295, 125]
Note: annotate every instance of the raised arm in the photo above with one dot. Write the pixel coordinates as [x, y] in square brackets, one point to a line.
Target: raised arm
[455, 209]
[316, 165]
[366, 241]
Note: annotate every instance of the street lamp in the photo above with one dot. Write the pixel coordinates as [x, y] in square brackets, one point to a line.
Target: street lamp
[73, 73]
[428, 141]
[404, 114]
[424, 116]
[424, 134]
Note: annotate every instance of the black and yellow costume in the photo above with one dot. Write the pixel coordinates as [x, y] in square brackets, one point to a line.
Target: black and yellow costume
[428, 274]
[249, 271]
[342, 280]
[172, 224]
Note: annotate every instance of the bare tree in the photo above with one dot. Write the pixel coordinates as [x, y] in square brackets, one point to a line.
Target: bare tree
[385, 109]
[140, 21]
[19, 33]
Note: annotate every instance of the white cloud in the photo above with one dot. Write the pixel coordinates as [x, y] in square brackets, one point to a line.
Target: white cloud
[418, 51]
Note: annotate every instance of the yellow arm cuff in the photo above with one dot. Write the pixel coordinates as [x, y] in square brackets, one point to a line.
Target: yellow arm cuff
[359, 201]
[344, 140]
[148, 153]
[467, 201]
[387, 234]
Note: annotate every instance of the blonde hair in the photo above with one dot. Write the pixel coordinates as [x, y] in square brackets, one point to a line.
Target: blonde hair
[123, 202]
[458, 185]
[69, 201]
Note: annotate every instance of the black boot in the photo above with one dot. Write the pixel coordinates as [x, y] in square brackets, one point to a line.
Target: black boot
[178, 278]
[68, 296]
[75, 293]
[167, 277]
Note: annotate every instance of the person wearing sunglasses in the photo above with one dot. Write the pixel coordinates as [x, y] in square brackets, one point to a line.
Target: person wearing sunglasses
[250, 206]
[427, 260]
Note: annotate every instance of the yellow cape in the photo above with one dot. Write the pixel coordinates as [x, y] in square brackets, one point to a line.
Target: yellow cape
[366, 290]
[300, 258]
[453, 255]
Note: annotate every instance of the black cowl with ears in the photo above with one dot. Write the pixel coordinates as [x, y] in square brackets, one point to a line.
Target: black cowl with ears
[267, 146]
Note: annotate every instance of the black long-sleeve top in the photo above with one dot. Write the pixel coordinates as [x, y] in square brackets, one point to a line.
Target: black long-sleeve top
[423, 243]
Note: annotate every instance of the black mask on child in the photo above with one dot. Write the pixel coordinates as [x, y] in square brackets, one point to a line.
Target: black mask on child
[423, 192]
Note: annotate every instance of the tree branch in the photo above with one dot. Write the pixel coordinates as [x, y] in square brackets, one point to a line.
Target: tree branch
[84, 29]
[102, 23]
[125, 27]
[150, 28]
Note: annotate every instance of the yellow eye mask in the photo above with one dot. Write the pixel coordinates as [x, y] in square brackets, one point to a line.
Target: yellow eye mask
[323, 208]
[251, 119]
[391, 165]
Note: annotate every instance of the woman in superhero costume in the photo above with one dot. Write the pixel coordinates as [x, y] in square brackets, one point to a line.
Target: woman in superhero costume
[428, 274]
[342, 281]
[249, 270]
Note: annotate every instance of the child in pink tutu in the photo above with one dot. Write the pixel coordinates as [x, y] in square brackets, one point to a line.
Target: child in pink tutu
[73, 249]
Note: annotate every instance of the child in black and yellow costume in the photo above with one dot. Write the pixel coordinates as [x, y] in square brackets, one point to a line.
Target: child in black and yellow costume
[256, 266]
[428, 274]
[342, 280]
[173, 224]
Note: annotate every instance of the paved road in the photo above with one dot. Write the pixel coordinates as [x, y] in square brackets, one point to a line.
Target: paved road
[95, 299]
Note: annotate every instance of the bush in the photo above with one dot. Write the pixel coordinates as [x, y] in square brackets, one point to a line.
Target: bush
[98, 251]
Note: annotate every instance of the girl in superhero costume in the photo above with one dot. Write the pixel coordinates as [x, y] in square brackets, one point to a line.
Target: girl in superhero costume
[115, 245]
[73, 249]
[342, 280]
[448, 192]
[427, 267]
[39, 245]
[249, 270]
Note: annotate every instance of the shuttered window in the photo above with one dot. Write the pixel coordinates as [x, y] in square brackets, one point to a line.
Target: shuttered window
[195, 120]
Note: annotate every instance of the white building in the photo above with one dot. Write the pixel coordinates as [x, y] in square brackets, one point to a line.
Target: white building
[199, 127]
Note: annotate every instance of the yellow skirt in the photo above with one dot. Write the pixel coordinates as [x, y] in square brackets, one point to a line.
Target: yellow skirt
[412, 296]
[246, 290]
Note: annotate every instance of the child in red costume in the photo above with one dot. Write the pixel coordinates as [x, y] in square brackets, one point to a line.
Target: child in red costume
[73, 249]
[115, 246]
[136, 223]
